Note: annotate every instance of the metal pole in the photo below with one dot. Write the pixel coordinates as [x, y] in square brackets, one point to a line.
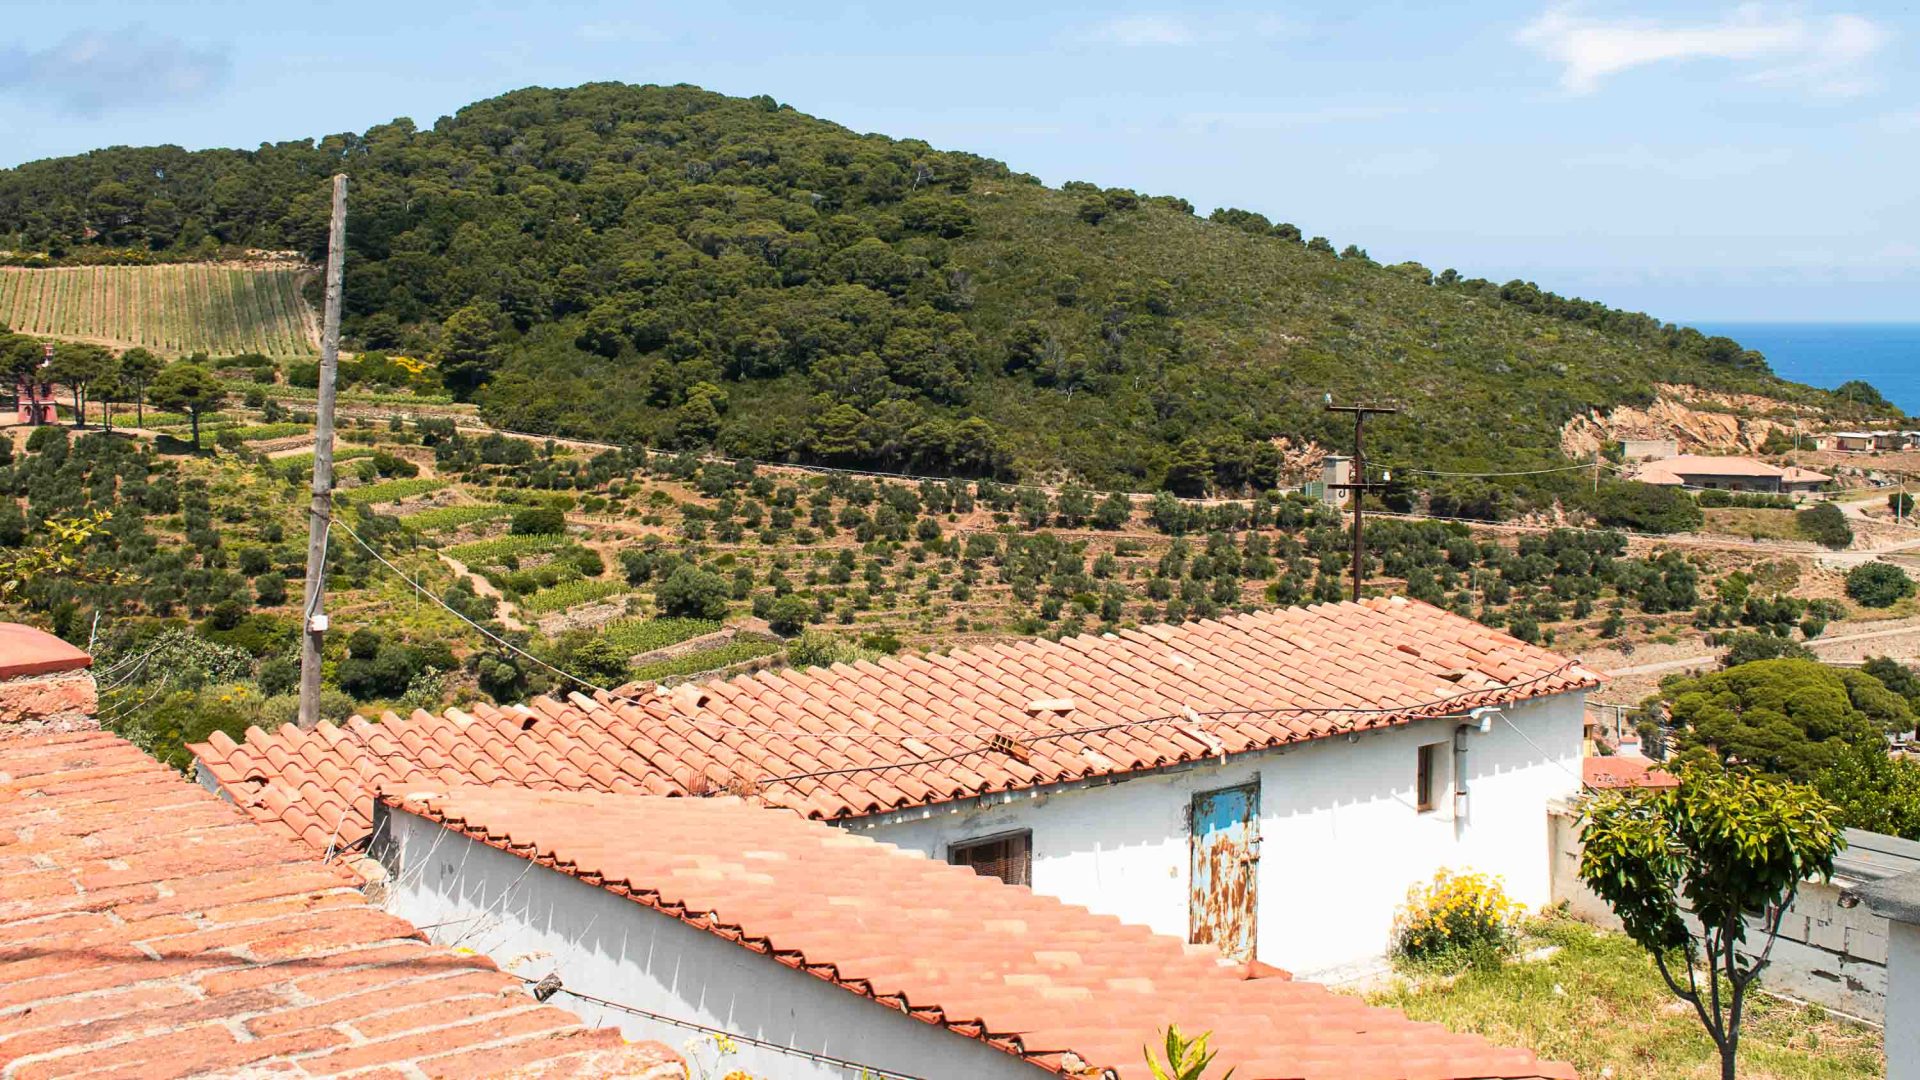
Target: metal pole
[321, 516]
[1359, 500]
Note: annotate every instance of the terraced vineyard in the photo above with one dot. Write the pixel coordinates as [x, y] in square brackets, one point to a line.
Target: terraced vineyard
[173, 310]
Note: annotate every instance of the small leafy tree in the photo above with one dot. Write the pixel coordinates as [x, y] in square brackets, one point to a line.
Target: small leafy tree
[1722, 844]
[188, 388]
[138, 367]
[1878, 584]
[59, 554]
[1184, 1058]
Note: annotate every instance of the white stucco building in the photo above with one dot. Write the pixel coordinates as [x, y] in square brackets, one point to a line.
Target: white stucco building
[1338, 833]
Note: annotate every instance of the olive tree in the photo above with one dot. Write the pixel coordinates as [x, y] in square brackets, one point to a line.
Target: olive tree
[1683, 868]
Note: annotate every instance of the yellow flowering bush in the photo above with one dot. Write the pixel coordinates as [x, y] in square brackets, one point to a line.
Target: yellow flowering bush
[1456, 919]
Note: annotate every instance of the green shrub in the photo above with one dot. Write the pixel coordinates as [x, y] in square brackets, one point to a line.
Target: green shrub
[1455, 920]
[539, 521]
[1878, 584]
[1745, 648]
[1825, 525]
[790, 614]
[693, 593]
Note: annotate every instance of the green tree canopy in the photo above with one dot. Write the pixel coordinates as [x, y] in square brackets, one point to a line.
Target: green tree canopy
[1720, 845]
[1792, 718]
[189, 388]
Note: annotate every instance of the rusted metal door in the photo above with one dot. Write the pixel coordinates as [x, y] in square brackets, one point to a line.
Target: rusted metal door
[1226, 868]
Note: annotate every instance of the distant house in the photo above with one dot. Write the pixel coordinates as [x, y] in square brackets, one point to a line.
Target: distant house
[1853, 442]
[1890, 440]
[1180, 777]
[1649, 449]
[1794, 480]
[1728, 474]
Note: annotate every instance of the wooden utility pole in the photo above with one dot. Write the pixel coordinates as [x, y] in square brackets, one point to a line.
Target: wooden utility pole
[320, 519]
[1359, 487]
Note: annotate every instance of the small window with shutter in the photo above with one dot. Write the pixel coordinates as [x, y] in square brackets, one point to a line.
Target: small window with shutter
[1423, 778]
[1008, 856]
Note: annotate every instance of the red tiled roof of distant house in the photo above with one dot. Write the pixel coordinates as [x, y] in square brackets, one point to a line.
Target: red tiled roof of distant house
[147, 930]
[1028, 974]
[1602, 773]
[1675, 470]
[825, 741]
[1794, 474]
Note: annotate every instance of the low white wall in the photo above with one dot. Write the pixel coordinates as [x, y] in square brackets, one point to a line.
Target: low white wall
[1903, 1002]
[1342, 838]
[538, 921]
[1826, 952]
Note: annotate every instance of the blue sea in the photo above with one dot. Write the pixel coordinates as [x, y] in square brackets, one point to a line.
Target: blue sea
[1828, 354]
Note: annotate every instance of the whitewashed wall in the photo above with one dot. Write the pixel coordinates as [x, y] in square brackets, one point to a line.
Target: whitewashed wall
[538, 921]
[1903, 1002]
[1341, 836]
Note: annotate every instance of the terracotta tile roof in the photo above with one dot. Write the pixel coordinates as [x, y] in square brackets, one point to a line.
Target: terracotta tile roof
[827, 741]
[1675, 470]
[1028, 974]
[148, 930]
[1625, 772]
[26, 651]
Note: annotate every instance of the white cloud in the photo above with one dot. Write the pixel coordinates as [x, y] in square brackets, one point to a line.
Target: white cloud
[1141, 30]
[1824, 54]
[95, 70]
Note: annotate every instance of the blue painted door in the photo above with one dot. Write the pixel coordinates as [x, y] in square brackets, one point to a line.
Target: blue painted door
[1226, 868]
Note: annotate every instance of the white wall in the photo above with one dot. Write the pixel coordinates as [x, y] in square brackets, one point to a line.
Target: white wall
[1903, 1001]
[1341, 836]
[538, 921]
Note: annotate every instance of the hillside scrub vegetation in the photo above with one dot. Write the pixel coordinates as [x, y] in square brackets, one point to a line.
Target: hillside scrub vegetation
[668, 267]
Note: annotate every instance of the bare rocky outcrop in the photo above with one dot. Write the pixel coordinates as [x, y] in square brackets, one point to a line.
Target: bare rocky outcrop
[1699, 420]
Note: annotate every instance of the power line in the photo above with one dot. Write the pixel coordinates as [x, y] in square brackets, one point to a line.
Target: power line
[986, 738]
[706, 1029]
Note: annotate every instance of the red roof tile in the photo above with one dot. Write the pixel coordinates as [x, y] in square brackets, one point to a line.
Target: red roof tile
[1028, 974]
[829, 743]
[27, 651]
[148, 930]
[1625, 772]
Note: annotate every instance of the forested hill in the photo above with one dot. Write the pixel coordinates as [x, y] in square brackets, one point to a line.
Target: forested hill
[676, 267]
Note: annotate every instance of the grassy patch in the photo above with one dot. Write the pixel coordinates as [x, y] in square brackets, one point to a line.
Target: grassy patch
[693, 663]
[491, 552]
[571, 594]
[1600, 1004]
[633, 636]
[257, 432]
[391, 490]
[1752, 524]
[451, 517]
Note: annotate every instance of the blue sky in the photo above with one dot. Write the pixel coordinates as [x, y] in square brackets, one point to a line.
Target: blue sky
[1701, 162]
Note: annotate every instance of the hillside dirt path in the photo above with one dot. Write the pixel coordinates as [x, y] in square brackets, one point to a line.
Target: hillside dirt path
[507, 614]
[1824, 647]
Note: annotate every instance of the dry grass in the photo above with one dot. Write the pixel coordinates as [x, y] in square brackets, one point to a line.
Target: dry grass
[1752, 524]
[1600, 1004]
